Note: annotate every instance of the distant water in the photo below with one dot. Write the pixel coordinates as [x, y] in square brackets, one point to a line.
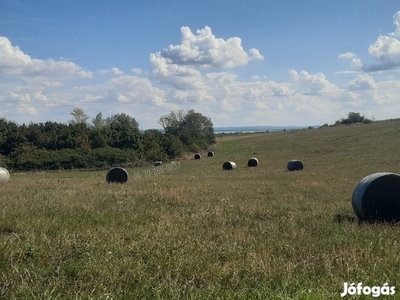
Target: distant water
[251, 129]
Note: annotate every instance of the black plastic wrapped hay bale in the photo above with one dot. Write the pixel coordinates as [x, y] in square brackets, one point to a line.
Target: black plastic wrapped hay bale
[377, 197]
[4, 175]
[157, 163]
[197, 156]
[295, 165]
[253, 162]
[117, 175]
[210, 154]
[229, 165]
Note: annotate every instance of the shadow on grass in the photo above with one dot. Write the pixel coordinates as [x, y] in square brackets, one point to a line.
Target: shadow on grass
[348, 218]
[344, 218]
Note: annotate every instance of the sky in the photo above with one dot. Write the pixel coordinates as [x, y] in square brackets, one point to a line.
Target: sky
[240, 63]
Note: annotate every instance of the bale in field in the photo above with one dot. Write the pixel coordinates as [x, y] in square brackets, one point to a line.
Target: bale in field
[117, 175]
[377, 197]
[253, 162]
[229, 165]
[210, 154]
[4, 175]
[197, 156]
[295, 165]
[157, 163]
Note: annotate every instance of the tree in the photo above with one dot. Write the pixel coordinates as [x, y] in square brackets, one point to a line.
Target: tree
[49, 135]
[98, 121]
[79, 116]
[79, 137]
[12, 136]
[193, 129]
[353, 117]
[124, 132]
[123, 121]
[152, 143]
[171, 122]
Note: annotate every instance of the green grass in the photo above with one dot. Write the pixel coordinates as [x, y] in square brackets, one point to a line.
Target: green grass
[199, 232]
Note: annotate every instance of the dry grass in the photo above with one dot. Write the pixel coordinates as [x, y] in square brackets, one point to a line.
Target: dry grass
[199, 232]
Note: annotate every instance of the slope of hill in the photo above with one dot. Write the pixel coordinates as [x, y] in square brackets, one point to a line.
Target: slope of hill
[196, 231]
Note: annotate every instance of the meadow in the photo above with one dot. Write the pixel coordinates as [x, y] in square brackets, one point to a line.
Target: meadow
[199, 232]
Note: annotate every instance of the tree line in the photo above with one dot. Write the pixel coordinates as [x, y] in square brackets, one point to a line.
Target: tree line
[101, 143]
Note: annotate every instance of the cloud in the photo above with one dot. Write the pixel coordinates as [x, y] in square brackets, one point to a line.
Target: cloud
[112, 71]
[180, 77]
[362, 82]
[136, 71]
[396, 21]
[355, 62]
[180, 65]
[205, 50]
[312, 83]
[385, 50]
[48, 83]
[197, 73]
[14, 62]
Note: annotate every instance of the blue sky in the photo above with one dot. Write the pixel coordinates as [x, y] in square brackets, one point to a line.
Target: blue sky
[241, 63]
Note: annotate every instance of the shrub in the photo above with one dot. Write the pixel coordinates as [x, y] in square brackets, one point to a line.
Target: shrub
[353, 118]
[31, 159]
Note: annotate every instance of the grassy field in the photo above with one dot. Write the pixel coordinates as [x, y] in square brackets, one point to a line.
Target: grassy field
[198, 232]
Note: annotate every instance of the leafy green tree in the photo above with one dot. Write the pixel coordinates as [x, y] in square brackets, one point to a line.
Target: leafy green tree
[122, 121]
[171, 122]
[173, 146]
[3, 134]
[79, 137]
[99, 121]
[12, 136]
[123, 132]
[79, 116]
[193, 129]
[98, 137]
[353, 117]
[49, 135]
[152, 145]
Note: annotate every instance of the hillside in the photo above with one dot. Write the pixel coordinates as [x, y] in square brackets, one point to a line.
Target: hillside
[357, 148]
[195, 231]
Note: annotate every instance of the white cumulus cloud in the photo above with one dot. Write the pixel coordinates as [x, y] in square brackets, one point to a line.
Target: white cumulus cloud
[205, 50]
[396, 21]
[14, 62]
[385, 50]
[362, 82]
[180, 65]
[136, 71]
[112, 71]
[355, 62]
[312, 83]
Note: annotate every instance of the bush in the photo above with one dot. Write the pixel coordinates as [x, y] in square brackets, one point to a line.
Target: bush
[353, 118]
[32, 159]
[4, 161]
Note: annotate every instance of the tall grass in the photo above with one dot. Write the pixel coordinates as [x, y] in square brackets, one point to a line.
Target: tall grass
[199, 232]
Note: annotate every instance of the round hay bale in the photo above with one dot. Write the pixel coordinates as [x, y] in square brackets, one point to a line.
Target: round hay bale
[295, 165]
[210, 154]
[197, 156]
[117, 175]
[229, 165]
[4, 175]
[377, 197]
[253, 162]
[157, 163]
